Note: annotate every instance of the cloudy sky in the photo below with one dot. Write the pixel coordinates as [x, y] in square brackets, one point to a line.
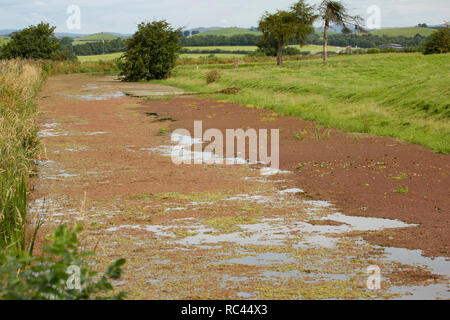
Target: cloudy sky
[123, 15]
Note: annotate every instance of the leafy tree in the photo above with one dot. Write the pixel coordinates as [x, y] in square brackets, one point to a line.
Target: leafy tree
[268, 46]
[334, 12]
[151, 52]
[214, 40]
[66, 51]
[34, 42]
[92, 48]
[286, 26]
[439, 41]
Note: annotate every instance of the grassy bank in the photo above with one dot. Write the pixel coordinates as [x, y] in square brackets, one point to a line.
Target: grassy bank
[399, 95]
[19, 84]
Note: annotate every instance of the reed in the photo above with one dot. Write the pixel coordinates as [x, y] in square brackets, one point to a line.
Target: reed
[20, 81]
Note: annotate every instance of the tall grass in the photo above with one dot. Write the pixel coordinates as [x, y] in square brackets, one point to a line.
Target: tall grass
[20, 82]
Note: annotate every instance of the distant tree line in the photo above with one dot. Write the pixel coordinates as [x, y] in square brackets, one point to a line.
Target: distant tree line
[339, 40]
[94, 48]
[365, 40]
[214, 40]
[215, 51]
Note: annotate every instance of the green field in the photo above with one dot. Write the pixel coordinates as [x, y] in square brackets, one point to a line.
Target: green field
[406, 32]
[228, 32]
[95, 38]
[399, 95]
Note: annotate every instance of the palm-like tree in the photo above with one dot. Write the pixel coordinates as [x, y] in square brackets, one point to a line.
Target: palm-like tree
[334, 12]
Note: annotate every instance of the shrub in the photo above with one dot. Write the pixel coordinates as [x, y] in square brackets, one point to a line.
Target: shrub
[212, 76]
[34, 42]
[23, 277]
[373, 51]
[151, 52]
[439, 41]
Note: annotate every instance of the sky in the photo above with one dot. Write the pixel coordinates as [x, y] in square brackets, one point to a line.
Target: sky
[122, 16]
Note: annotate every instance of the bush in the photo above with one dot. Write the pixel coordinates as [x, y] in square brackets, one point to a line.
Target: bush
[212, 76]
[23, 277]
[34, 42]
[439, 41]
[373, 51]
[151, 52]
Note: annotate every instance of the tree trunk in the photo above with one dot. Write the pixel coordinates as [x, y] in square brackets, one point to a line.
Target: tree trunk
[325, 41]
[280, 54]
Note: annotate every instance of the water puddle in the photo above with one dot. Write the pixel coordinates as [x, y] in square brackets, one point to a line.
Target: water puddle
[76, 149]
[95, 133]
[438, 265]
[428, 292]
[51, 132]
[291, 191]
[272, 171]
[61, 176]
[100, 96]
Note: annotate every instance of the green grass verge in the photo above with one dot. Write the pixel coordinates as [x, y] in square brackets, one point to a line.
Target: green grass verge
[398, 95]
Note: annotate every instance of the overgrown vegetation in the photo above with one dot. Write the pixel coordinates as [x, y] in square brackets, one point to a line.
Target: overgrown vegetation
[19, 83]
[399, 95]
[24, 277]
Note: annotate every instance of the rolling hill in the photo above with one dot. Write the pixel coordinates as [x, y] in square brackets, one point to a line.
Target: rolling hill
[96, 38]
[406, 32]
[228, 32]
